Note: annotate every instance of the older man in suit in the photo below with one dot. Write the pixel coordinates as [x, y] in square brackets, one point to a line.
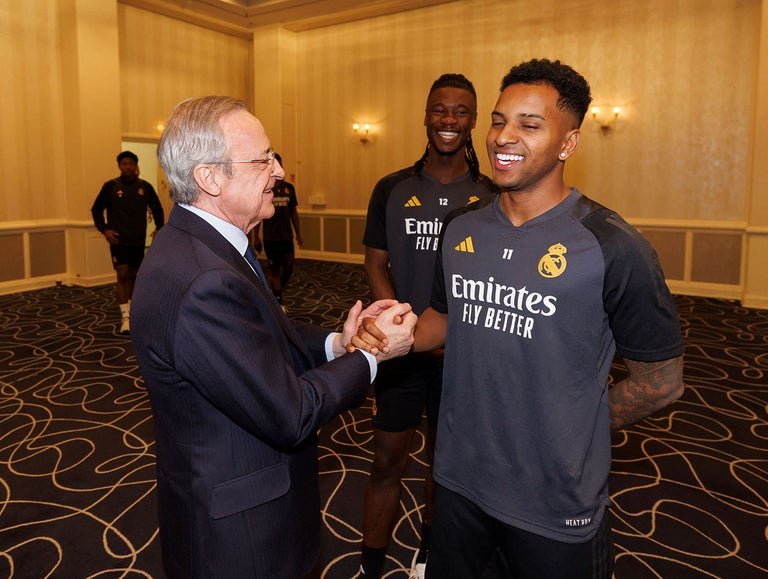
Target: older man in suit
[237, 389]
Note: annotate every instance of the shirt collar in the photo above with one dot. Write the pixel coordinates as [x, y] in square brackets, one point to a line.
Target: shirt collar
[231, 233]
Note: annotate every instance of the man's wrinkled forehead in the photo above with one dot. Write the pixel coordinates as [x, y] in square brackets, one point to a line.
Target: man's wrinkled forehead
[244, 133]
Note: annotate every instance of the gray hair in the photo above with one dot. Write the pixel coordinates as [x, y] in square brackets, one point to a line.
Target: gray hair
[192, 136]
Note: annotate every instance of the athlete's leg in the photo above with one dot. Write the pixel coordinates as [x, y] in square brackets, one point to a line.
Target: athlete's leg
[275, 261]
[532, 556]
[400, 392]
[434, 392]
[382, 494]
[288, 264]
[126, 276]
[126, 261]
[464, 538]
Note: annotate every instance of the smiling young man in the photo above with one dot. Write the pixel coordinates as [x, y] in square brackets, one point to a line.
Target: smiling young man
[534, 293]
[405, 216]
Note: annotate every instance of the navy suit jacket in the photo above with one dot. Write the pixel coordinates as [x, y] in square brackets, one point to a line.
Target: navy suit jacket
[237, 392]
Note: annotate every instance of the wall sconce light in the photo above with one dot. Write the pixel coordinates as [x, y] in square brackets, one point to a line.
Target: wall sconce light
[605, 120]
[362, 130]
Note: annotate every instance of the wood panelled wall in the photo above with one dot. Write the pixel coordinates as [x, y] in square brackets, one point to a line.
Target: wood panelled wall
[677, 162]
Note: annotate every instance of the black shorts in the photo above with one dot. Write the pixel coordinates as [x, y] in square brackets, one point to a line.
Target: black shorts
[278, 251]
[465, 539]
[403, 388]
[129, 255]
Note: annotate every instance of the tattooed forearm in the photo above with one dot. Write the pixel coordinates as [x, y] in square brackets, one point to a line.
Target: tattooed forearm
[649, 387]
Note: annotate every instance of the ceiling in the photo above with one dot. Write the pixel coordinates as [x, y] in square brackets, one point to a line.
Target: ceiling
[240, 17]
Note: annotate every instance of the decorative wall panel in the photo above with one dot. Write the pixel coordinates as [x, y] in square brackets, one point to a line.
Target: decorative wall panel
[310, 232]
[670, 247]
[47, 253]
[335, 235]
[356, 231]
[716, 258]
[11, 257]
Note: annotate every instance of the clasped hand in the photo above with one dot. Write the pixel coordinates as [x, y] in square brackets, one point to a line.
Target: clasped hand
[374, 333]
[392, 334]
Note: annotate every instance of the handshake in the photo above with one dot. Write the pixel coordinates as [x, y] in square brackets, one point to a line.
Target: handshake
[384, 329]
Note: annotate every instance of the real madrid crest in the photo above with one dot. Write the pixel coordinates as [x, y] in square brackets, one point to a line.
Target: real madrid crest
[553, 263]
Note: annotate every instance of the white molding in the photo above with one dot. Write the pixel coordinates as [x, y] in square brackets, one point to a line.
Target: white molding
[24, 285]
[142, 137]
[705, 290]
[683, 287]
[39, 225]
[330, 256]
[44, 225]
[320, 212]
[755, 302]
[688, 224]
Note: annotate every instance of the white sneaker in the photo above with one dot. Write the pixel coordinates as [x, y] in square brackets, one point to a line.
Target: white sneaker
[125, 326]
[418, 570]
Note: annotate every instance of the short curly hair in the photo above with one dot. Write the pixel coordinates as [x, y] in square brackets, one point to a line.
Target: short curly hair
[571, 86]
[127, 155]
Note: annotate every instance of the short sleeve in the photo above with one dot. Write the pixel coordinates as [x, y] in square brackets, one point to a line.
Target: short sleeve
[376, 222]
[640, 308]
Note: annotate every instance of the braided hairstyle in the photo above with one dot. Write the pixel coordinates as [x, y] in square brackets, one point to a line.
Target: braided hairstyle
[454, 80]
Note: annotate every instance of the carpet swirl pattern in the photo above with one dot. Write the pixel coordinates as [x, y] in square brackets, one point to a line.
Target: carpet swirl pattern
[77, 488]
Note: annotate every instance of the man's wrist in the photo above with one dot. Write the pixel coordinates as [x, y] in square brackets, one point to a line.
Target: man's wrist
[373, 363]
[333, 341]
[333, 346]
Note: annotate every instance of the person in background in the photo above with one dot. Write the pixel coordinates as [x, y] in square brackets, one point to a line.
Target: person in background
[535, 291]
[126, 200]
[405, 214]
[278, 236]
[237, 389]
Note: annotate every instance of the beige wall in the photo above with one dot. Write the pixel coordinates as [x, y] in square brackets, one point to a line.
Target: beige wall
[31, 113]
[163, 61]
[755, 263]
[682, 70]
[682, 162]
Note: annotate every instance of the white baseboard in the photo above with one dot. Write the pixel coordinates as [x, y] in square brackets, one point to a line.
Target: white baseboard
[25, 285]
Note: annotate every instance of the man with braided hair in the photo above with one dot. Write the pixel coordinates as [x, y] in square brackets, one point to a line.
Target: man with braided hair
[405, 217]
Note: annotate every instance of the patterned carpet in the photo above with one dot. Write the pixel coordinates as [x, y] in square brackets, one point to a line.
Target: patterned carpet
[690, 486]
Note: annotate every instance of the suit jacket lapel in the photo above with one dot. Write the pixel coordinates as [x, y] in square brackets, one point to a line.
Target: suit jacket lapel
[199, 228]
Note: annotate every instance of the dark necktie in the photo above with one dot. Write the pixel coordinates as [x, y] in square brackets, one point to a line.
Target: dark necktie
[251, 258]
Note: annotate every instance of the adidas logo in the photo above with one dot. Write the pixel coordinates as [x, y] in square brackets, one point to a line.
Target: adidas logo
[413, 202]
[466, 246]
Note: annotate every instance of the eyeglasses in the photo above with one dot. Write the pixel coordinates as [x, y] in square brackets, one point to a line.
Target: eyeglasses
[267, 161]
